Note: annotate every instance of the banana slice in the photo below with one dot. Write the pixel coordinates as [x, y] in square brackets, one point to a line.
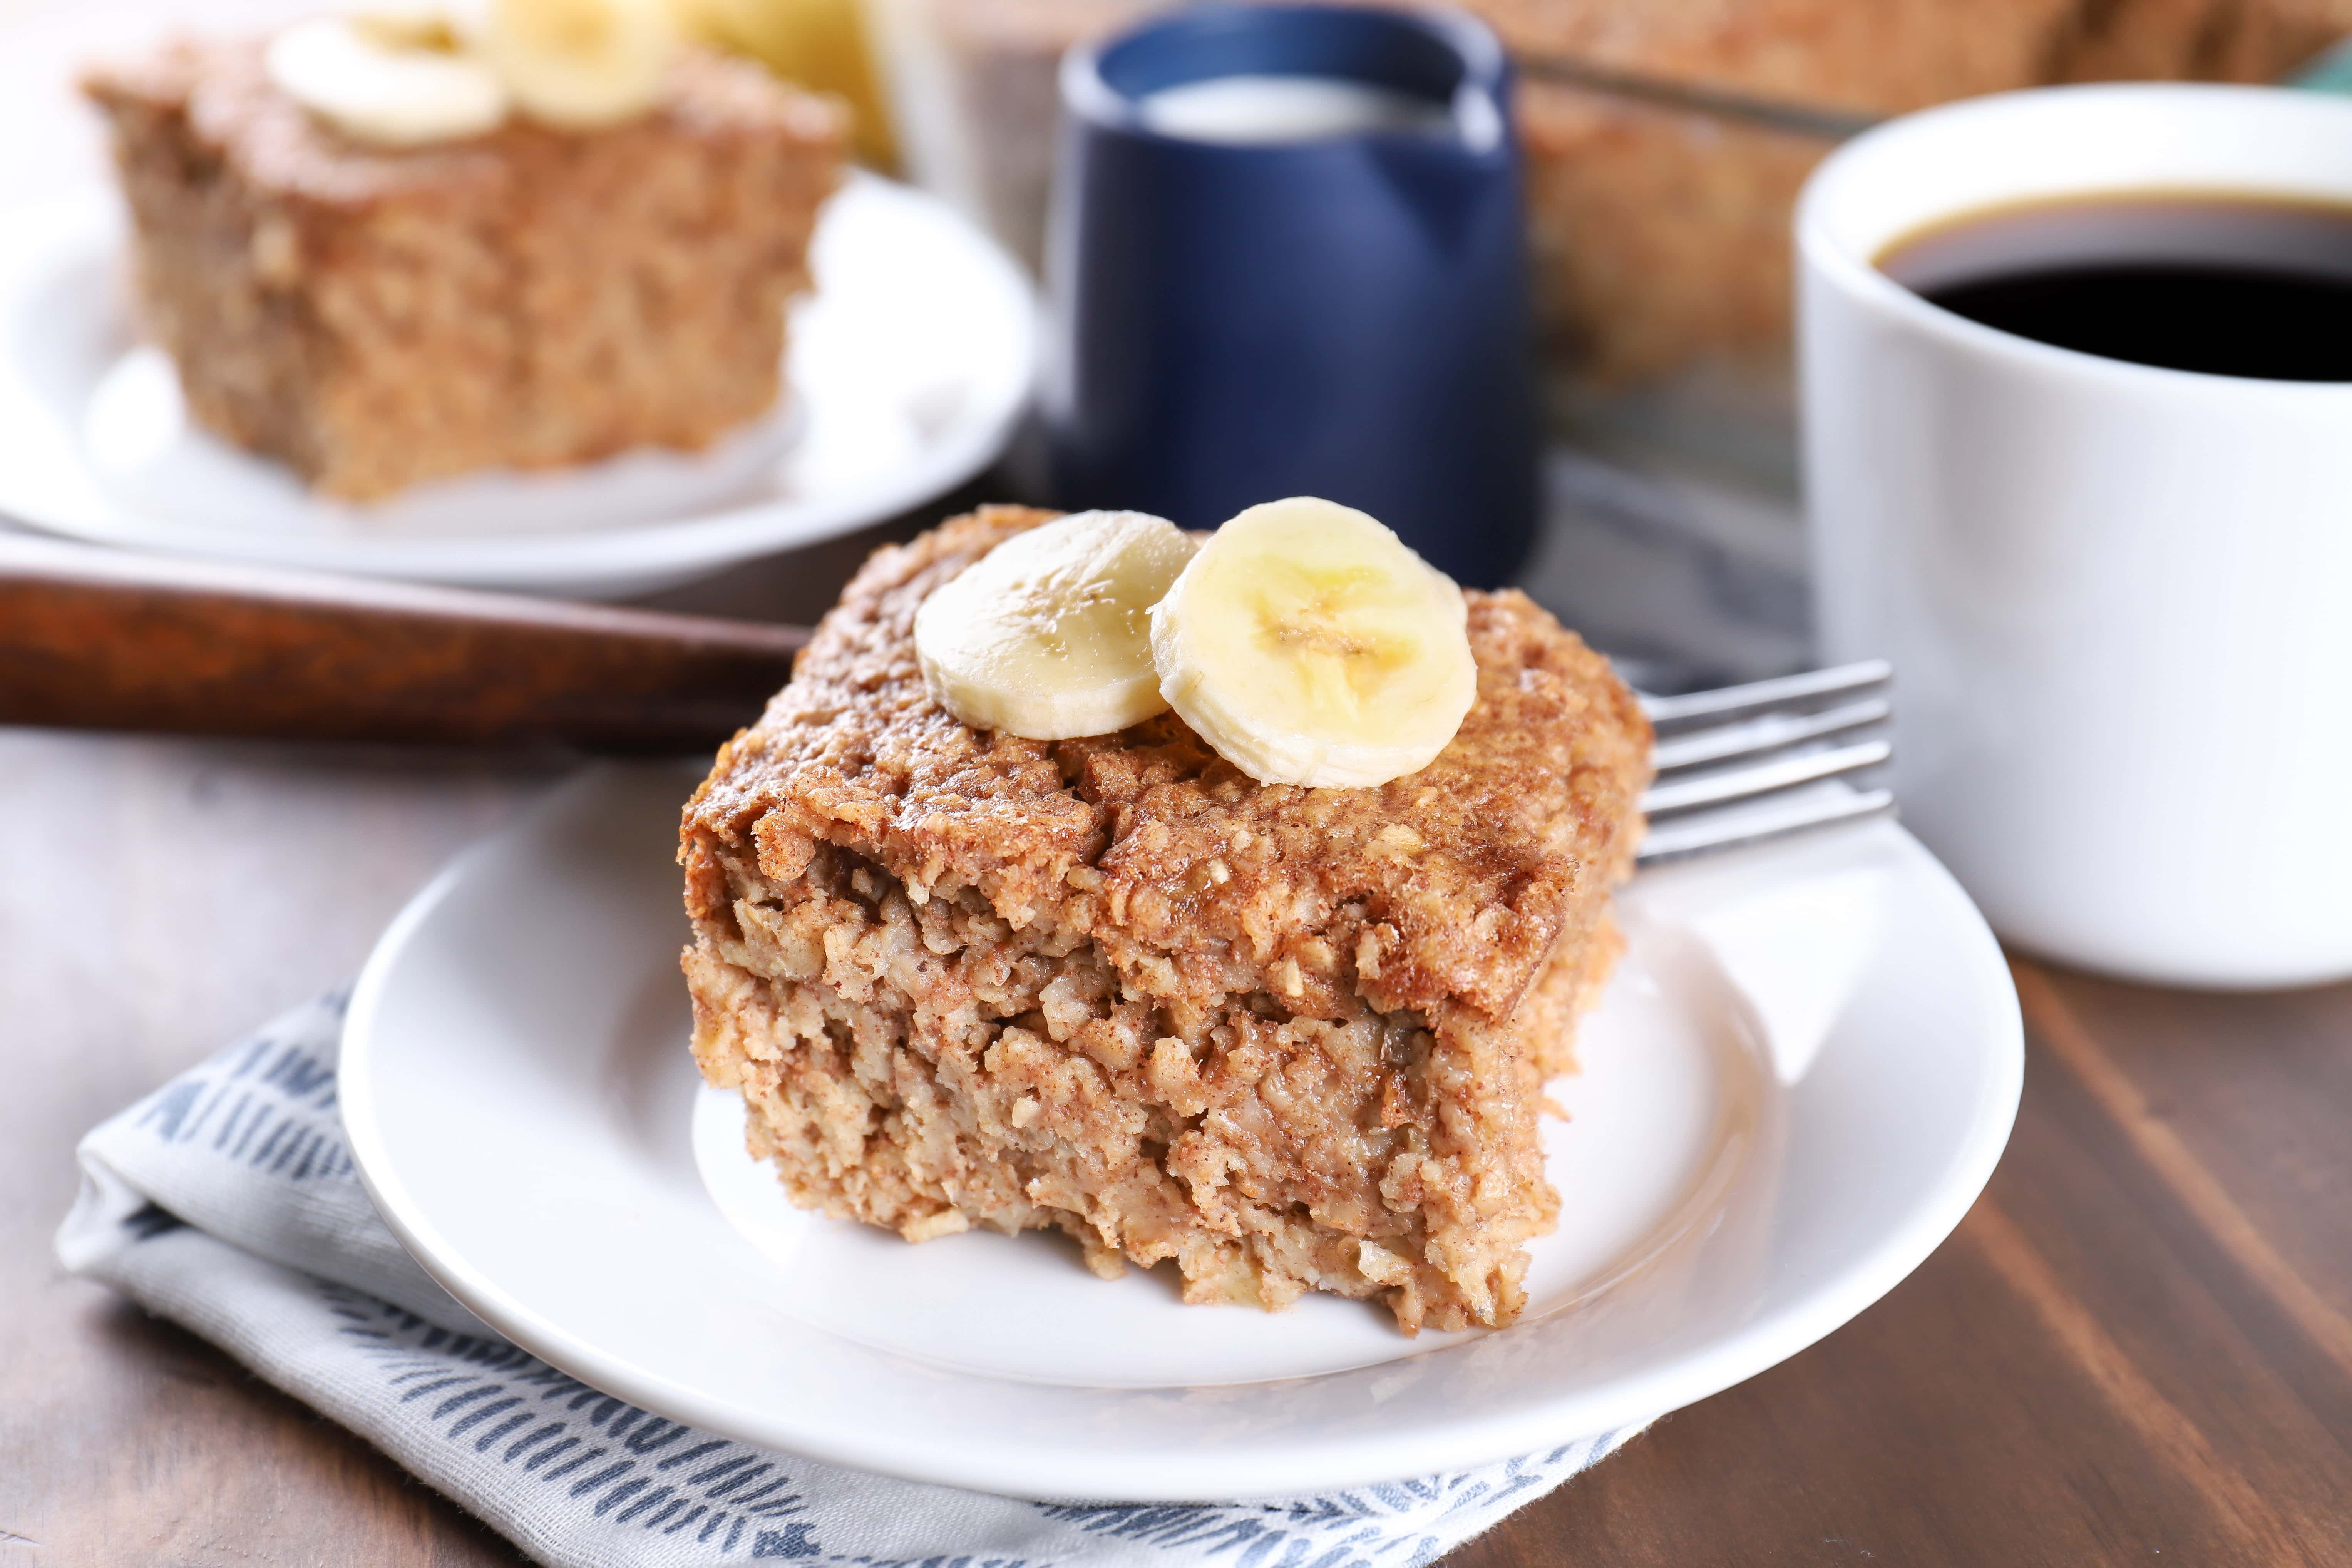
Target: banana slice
[1048, 635]
[405, 24]
[576, 64]
[365, 82]
[1310, 645]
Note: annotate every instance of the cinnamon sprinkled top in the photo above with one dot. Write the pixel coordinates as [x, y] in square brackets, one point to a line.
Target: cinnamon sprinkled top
[1446, 887]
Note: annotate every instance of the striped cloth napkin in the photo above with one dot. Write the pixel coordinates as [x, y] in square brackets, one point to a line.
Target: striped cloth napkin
[226, 1202]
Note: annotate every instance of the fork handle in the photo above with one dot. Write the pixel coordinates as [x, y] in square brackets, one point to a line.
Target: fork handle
[111, 639]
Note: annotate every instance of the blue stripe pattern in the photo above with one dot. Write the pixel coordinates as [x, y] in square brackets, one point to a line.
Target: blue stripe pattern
[1352, 1529]
[272, 1108]
[510, 1407]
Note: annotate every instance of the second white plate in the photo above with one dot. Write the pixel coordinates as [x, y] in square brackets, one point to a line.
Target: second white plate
[907, 369]
[1797, 1082]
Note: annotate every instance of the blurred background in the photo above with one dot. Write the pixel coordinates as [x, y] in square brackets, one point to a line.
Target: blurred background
[1665, 142]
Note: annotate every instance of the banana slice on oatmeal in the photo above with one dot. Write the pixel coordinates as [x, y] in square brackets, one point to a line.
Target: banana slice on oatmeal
[1048, 635]
[1309, 645]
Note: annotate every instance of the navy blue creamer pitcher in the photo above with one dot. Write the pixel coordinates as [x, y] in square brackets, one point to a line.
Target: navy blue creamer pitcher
[1286, 255]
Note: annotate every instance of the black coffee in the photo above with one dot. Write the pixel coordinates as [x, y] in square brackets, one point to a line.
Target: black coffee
[2226, 285]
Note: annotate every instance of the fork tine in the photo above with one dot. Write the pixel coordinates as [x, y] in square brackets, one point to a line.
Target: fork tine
[1776, 692]
[1764, 732]
[1727, 829]
[1790, 744]
[1762, 778]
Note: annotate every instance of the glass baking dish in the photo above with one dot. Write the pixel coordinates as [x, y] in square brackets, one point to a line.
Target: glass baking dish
[1665, 145]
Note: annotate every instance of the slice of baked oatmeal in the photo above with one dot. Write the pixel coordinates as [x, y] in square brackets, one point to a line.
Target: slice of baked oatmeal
[373, 317]
[1291, 1039]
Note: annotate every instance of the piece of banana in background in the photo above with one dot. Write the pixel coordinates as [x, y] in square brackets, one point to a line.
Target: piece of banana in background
[574, 64]
[821, 45]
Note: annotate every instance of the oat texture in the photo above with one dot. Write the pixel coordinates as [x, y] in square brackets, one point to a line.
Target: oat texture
[532, 298]
[1289, 1038]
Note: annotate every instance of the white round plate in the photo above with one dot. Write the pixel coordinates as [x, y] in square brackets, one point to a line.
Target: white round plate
[1799, 1078]
[906, 368]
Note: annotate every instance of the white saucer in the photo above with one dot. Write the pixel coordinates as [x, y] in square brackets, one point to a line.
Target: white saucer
[907, 369]
[1797, 1082]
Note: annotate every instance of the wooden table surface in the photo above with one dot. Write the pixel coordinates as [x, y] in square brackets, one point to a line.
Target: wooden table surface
[2138, 1347]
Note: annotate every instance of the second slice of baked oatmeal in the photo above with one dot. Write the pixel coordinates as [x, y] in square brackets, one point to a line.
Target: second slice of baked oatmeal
[530, 298]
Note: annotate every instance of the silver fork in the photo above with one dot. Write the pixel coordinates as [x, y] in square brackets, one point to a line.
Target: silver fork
[1744, 763]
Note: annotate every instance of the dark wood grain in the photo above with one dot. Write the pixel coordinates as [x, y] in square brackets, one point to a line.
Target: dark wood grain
[157, 897]
[2136, 1348]
[117, 640]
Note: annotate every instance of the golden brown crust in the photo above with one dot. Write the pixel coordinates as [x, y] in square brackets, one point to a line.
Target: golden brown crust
[376, 317]
[1288, 1038]
[1450, 886]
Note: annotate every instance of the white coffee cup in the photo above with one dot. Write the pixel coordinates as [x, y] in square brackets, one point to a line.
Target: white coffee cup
[2119, 599]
